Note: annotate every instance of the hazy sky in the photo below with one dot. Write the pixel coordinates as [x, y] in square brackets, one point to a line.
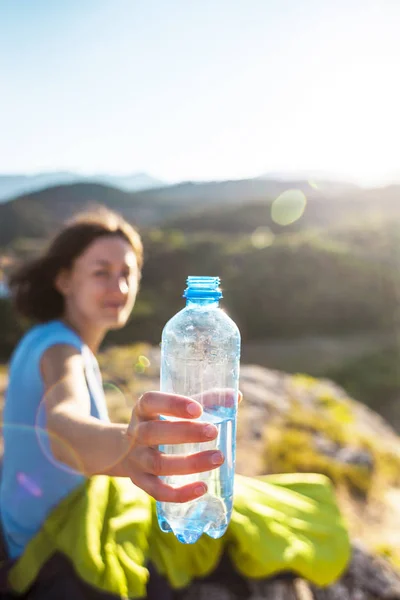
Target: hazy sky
[200, 89]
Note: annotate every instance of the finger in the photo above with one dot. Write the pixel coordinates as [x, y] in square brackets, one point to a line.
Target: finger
[154, 462]
[153, 404]
[154, 433]
[166, 493]
[214, 397]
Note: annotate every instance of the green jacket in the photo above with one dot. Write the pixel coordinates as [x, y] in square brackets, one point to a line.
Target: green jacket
[108, 529]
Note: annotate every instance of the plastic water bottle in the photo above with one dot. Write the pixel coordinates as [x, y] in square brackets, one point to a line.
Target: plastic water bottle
[200, 357]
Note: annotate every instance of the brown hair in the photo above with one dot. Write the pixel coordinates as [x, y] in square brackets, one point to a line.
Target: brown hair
[32, 286]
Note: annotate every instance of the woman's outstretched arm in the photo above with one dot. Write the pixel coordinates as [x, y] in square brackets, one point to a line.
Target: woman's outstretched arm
[91, 446]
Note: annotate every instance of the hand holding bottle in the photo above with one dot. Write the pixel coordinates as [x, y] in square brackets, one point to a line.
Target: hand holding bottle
[147, 431]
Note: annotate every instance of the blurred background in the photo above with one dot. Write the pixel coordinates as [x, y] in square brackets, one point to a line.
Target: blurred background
[257, 141]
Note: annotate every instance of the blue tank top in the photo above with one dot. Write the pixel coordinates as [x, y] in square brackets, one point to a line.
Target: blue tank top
[33, 481]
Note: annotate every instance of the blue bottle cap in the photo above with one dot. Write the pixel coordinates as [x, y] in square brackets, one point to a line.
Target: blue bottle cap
[203, 287]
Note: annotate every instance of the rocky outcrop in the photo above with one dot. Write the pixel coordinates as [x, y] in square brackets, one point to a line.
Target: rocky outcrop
[343, 431]
[367, 578]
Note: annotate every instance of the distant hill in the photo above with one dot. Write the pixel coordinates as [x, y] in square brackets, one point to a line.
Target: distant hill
[240, 191]
[12, 186]
[221, 207]
[320, 179]
[240, 204]
[36, 215]
[332, 207]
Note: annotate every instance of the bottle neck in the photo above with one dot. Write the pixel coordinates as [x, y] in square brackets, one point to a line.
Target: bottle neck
[202, 302]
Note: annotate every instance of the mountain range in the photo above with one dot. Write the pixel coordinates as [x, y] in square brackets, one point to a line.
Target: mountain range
[12, 186]
[238, 206]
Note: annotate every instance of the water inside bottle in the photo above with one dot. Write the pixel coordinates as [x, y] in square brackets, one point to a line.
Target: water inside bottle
[210, 513]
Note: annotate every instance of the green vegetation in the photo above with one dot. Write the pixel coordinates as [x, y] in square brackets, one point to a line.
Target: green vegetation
[299, 286]
[309, 439]
[332, 272]
[374, 377]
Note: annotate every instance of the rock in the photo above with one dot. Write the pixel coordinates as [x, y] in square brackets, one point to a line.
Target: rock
[345, 455]
[367, 578]
[352, 456]
[279, 409]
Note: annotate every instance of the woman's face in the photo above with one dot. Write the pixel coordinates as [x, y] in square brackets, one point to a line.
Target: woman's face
[102, 284]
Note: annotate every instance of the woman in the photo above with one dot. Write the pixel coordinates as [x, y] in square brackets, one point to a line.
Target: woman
[84, 285]
[59, 444]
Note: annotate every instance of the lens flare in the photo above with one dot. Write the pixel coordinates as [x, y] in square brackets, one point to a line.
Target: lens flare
[142, 364]
[120, 402]
[118, 399]
[29, 484]
[54, 444]
[262, 237]
[143, 360]
[288, 207]
[35, 437]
